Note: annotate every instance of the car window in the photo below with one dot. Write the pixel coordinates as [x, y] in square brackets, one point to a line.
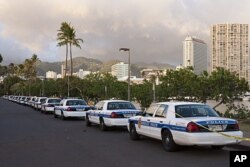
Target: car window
[194, 110]
[42, 100]
[161, 111]
[150, 111]
[75, 102]
[120, 105]
[54, 100]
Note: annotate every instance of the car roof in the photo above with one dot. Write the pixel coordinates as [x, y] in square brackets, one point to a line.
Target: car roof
[179, 103]
[114, 100]
[73, 99]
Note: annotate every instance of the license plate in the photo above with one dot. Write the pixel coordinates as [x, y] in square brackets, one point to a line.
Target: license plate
[128, 115]
[215, 127]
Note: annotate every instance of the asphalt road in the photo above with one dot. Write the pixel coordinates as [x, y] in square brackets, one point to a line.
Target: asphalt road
[31, 139]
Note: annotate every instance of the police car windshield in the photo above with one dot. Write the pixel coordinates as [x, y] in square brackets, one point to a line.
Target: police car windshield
[193, 110]
[120, 105]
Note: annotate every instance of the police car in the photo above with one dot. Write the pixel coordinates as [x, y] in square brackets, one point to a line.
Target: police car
[184, 123]
[71, 108]
[109, 113]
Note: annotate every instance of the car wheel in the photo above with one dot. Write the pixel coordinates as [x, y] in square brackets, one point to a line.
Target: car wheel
[55, 114]
[168, 141]
[103, 127]
[62, 116]
[217, 147]
[132, 132]
[88, 123]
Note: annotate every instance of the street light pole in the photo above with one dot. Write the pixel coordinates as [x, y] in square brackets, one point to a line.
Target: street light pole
[127, 50]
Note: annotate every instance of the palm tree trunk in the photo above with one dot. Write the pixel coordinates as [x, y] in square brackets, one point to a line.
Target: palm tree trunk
[71, 61]
[66, 61]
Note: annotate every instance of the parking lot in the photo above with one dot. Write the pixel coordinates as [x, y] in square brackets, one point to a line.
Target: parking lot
[29, 138]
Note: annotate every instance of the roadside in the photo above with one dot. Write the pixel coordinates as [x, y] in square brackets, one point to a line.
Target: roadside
[246, 143]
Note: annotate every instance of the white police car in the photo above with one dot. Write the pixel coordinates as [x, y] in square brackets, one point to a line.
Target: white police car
[184, 123]
[71, 108]
[109, 113]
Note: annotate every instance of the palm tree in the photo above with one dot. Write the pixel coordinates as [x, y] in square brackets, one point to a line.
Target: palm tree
[29, 69]
[1, 58]
[75, 42]
[67, 36]
[63, 39]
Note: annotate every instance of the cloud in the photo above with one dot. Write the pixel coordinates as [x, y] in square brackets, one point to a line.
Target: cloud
[154, 30]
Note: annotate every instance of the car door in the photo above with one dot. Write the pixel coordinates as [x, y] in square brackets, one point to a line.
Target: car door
[95, 114]
[157, 121]
[144, 122]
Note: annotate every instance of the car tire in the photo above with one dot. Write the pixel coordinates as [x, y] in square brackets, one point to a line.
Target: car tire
[217, 147]
[55, 114]
[103, 127]
[88, 123]
[62, 116]
[168, 141]
[132, 132]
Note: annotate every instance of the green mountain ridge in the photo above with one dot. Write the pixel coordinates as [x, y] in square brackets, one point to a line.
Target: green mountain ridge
[89, 64]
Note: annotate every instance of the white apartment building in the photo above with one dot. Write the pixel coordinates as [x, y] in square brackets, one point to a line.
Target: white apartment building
[81, 74]
[51, 75]
[230, 48]
[119, 70]
[195, 54]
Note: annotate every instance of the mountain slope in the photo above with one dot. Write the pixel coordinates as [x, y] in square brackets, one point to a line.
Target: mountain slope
[88, 64]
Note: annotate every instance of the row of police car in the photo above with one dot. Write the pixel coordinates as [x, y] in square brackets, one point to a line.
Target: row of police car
[174, 123]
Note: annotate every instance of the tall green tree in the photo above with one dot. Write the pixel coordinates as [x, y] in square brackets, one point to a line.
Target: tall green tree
[67, 36]
[1, 58]
[73, 41]
[63, 39]
[29, 69]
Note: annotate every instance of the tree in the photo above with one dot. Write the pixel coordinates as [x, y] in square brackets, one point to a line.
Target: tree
[8, 82]
[73, 41]
[67, 36]
[179, 84]
[63, 39]
[226, 86]
[29, 69]
[1, 58]
[143, 94]
[204, 87]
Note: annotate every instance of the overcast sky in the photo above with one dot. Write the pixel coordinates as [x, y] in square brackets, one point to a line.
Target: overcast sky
[152, 29]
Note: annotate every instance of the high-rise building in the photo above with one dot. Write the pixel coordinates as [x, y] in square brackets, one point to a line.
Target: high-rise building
[195, 54]
[119, 70]
[230, 48]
